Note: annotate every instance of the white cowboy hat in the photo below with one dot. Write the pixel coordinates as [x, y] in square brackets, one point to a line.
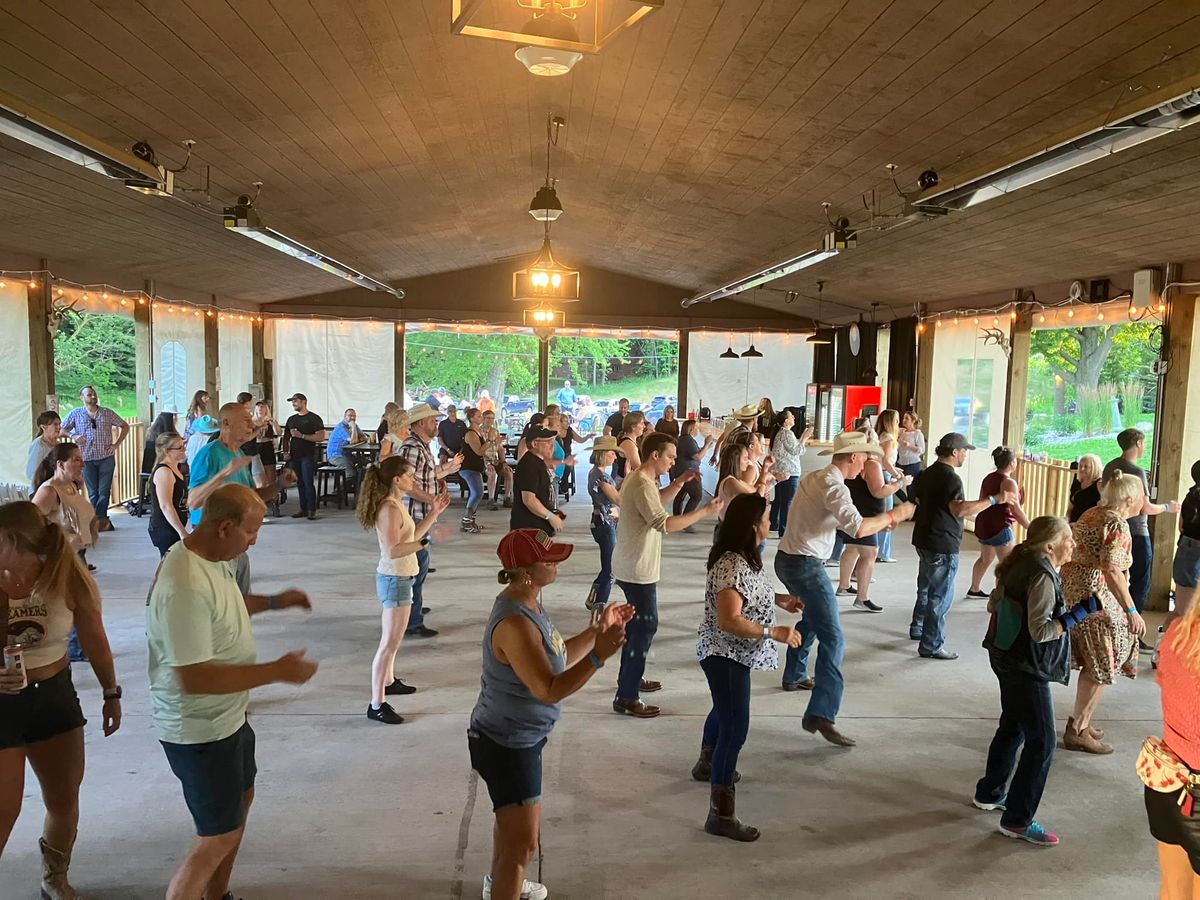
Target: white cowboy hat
[749, 411]
[421, 411]
[852, 442]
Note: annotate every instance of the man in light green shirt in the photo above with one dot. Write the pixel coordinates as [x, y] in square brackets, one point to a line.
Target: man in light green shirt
[202, 668]
[637, 558]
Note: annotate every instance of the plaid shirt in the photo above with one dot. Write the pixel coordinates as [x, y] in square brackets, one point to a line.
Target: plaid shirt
[416, 453]
[93, 435]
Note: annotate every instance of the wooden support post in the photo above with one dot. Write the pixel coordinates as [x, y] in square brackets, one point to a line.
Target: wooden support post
[41, 344]
[143, 340]
[212, 356]
[1178, 444]
[258, 361]
[543, 383]
[398, 360]
[924, 390]
[1021, 340]
[681, 398]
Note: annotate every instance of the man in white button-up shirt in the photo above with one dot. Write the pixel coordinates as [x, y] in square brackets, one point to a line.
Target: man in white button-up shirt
[823, 506]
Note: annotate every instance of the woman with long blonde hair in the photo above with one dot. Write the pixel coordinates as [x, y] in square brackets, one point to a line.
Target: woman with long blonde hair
[1177, 832]
[887, 428]
[168, 488]
[381, 506]
[44, 592]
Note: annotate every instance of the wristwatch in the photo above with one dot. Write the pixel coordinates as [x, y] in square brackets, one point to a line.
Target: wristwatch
[595, 660]
[766, 633]
[112, 693]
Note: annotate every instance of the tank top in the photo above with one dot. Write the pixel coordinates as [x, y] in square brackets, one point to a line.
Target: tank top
[864, 501]
[405, 531]
[41, 627]
[472, 461]
[506, 711]
[158, 520]
[75, 514]
[994, 519]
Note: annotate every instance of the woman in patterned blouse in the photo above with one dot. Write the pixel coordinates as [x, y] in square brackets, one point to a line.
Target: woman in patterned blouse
[738, 634]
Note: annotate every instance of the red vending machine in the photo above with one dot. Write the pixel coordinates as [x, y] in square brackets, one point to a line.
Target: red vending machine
[832, 408]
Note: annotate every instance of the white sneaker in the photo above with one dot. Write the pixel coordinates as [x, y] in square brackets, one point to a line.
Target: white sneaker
[530, 890]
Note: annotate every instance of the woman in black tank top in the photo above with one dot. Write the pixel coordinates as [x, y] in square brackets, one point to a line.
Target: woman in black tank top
[473, 469]
[868, 491]
[167, 490]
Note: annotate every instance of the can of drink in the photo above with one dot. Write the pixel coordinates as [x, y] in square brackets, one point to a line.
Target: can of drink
[14, 662]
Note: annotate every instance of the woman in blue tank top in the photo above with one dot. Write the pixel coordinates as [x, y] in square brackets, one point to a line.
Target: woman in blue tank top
[527, 671]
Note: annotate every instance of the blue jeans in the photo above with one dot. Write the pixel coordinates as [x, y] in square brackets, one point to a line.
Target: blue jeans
[805, 577]
[1139, 572]
[306, 487]
[839, 544]
[935, 594]
[474, 482]
[728, 722]
[606, 537]
[97, 478]
[639, 635]
[416, 619]
[1026, 716]
[784, 492]
[885, 537]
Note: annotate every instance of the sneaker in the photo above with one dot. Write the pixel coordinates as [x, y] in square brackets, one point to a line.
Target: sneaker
[978, 594]
[890, 559]
[384, 714]
[492, 507]
[399, 688]
[530, 890]
[941, 653]
[867, 606]
[422, 632]
[1034, 833]
[989, 807]
[846, 592]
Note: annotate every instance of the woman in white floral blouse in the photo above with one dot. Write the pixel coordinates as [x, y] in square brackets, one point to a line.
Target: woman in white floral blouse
[738, 634]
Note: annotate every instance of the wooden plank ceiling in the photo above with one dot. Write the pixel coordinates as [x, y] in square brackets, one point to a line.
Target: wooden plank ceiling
[699, 145]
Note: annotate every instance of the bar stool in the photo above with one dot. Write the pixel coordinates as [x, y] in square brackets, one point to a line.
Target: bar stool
[326, 472]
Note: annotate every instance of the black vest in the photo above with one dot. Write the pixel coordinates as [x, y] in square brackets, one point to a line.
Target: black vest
[1011, 646]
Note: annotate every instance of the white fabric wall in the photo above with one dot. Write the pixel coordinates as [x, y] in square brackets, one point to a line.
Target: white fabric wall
[723, 384]
[175, 384]
[16, 414]
[235, 358]
[336, 365]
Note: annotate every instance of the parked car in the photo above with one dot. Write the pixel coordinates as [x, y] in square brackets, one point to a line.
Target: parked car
[516, 406]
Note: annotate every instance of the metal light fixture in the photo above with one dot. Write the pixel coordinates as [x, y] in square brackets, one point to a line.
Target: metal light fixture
[559, 33]
[818, 338]
[729, 353]
[545, 278]
[544, 321]
[762, 276]
[244, 219]
[752, 352]
[545, 206]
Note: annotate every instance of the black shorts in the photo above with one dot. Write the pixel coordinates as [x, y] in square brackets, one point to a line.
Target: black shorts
[215, 777]
[1169, 825]
[41, 711]
[513, 775]
[871, 540]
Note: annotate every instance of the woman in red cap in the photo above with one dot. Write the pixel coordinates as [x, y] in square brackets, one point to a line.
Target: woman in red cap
[527, 671]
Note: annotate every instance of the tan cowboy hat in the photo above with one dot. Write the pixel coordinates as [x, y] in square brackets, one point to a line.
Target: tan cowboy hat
[421, 411]
[852, 442]
[747, 412]
[600, 444]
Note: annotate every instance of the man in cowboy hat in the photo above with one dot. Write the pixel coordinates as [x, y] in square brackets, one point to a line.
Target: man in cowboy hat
[743, 419]
[821, 507]
[427, 484]
[937, 535]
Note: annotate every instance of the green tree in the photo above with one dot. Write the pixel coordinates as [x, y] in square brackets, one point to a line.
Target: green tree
[466, 363]
[585, 359]
[96, 349]
[1082, 356]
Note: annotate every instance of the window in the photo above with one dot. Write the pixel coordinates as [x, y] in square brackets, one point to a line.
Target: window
[172, 378]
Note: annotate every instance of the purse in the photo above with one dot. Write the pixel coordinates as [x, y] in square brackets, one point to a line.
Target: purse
[1160, 769]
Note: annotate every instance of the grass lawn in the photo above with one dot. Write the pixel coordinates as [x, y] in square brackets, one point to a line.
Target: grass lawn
[1104, 447]
[124, 405]
[639, 390]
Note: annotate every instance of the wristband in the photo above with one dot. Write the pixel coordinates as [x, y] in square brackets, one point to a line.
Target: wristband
[272, 601]
[993, 499]
[766, 633]
[595, 660]
[424, 542]
[1131, 611]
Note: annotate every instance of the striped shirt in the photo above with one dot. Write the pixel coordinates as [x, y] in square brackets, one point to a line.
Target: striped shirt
[416, 453]
[93, 434]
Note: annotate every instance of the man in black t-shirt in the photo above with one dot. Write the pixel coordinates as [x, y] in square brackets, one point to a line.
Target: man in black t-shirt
[301, 433]
[614, 422]
[451, 431]
[937, 535]
[533, 494]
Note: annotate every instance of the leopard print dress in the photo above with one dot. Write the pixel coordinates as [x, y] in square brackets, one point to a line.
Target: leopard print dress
[1102, 644]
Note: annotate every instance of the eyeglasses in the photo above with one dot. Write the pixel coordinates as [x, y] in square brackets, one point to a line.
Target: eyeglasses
[180, 447]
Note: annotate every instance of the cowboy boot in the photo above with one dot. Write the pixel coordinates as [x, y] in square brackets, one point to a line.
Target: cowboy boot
[702, 770]
[722, 817]
[54, 874]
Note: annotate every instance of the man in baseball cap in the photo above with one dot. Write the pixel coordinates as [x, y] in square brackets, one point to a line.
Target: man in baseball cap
[823, 506]
[533, 490]
[937, 535]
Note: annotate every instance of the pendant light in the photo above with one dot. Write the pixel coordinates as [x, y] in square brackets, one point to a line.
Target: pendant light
[870, 371]
[545, 205]
[817, 338]
[730, 353]
[752, 352]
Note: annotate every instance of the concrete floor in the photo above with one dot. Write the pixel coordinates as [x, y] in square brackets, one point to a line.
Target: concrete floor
[349, 808]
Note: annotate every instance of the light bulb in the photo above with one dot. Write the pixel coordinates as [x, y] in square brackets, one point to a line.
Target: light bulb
[977, 320]
[104, 294]
[939, 323]
[32, 283]
[1162, 307]
[1042, 318]
[556, 279]
[1070, 313]
[995, 320]
[1133, 311]
[142, 301]
[920, 327]
[1100, 315]
[1013, 315]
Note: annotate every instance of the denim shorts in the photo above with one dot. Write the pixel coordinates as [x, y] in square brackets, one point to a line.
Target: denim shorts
[215, 777]
[871, 540]
[41, 711]
[1186, 571]
[513, 775]
[1002, 537]
[394, 590]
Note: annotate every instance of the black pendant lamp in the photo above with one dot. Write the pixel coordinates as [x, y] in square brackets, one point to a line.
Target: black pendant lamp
[729, 353]
[751, 352]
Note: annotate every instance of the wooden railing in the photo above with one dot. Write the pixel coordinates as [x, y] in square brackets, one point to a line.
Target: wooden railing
[126, 483]
[1047, 487]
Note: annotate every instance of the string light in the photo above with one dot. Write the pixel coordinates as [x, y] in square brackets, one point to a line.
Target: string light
[1100, 315]
[1071, 313]
[995, 320]
[956, 320]
[32, 283]
[977, 320]
[1042, 318]
[1013, 315]
[920, 327]
[938, 322]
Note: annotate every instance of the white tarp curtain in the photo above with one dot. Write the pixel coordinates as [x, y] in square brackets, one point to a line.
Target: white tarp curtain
[336, 365]
[178, 358]
[16, 413]
[723, 384]
[235, 350]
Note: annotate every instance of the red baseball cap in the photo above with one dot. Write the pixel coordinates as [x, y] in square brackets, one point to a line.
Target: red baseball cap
[527, 546]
